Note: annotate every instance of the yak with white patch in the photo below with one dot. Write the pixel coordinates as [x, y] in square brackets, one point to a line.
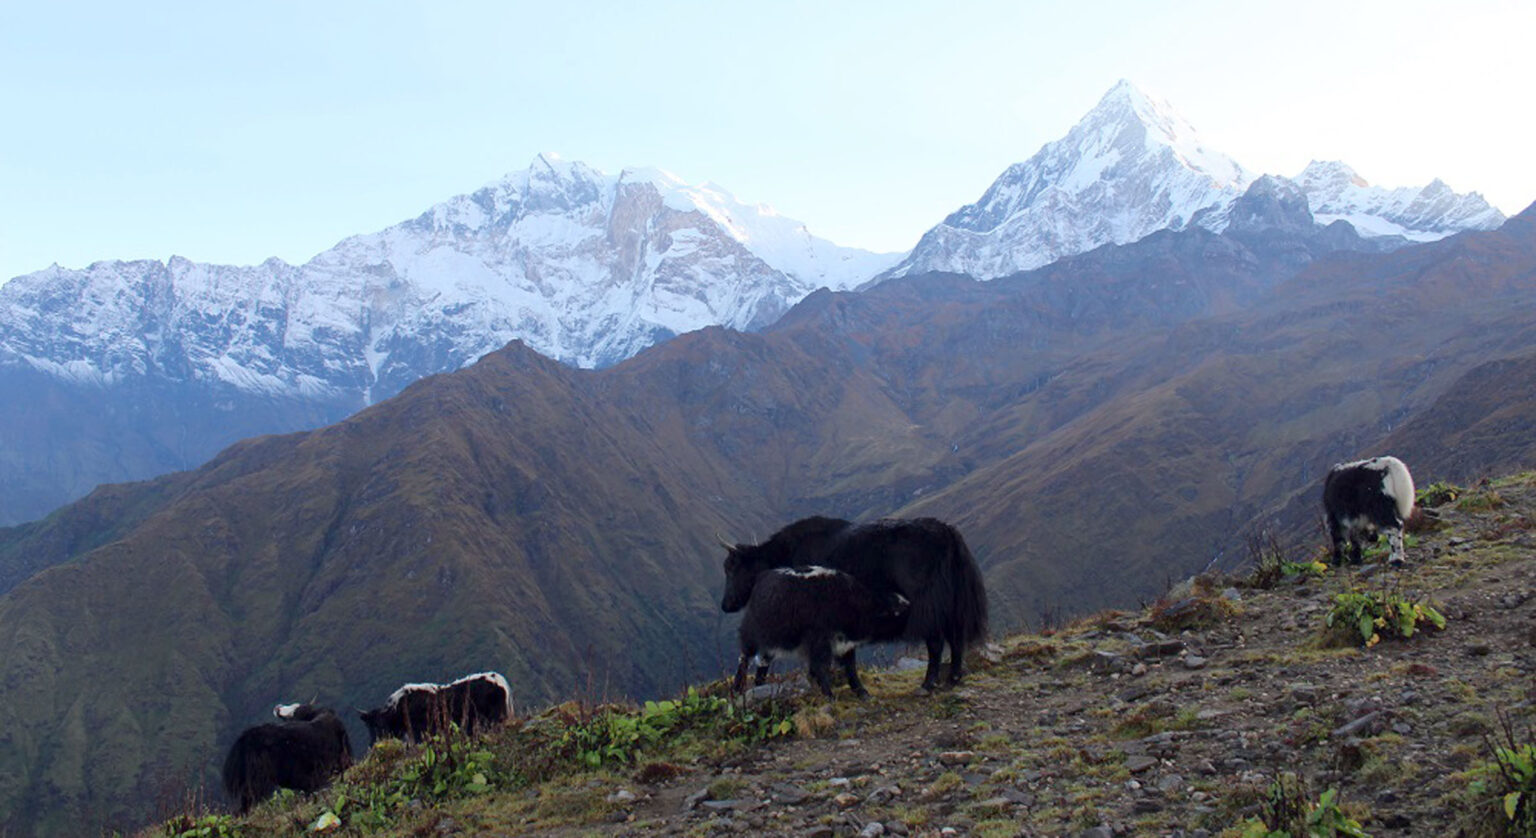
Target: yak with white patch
[416, 711]
[303, 752]
[1363, 498]
[818, 614]
[923, 559]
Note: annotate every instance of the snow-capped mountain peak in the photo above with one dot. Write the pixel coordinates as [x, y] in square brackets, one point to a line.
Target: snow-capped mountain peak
[1131, 166]
[1127, 106]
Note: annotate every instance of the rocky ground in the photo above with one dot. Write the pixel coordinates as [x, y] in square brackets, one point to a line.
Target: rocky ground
[1177, 720]
[1115, 726]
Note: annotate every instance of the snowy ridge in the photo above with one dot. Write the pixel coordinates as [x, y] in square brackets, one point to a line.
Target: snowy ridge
[1133, 166]
[1416, 213]
[584, 267]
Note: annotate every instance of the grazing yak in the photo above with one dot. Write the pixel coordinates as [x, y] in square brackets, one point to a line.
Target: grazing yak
[1364, 497]
[416, 711]
[303, 751]
[816, 613]
[923, 559]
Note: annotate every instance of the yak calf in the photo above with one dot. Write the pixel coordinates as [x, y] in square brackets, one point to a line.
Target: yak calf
[816, 613]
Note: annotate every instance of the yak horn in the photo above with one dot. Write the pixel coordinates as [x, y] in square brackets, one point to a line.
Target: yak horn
[723, 543]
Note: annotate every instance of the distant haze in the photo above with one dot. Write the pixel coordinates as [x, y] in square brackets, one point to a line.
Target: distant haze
[228, 135]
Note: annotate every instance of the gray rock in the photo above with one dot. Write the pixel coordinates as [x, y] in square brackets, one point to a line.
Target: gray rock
[1160, 648]
[1194, 662]
[873, 829]
[1137, 763]
[622, 796]
[788, 794]
[884, 794]
[1368, 725]
[692, 801]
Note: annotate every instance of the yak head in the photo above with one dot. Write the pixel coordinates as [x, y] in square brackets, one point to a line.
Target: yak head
[890, 621]
[742, 566]
[378, 722]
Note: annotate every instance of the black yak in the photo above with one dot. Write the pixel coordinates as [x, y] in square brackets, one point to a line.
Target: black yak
[923, 559]
[416, 711]
[817, 613]
[1363, 497]
[302, 752]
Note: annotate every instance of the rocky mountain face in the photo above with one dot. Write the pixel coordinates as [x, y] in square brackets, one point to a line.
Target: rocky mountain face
[1133, 166]
[125, 370]
[1094, 428]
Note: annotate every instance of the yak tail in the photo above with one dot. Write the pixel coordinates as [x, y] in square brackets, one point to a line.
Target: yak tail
[247, 776]
[968, 594]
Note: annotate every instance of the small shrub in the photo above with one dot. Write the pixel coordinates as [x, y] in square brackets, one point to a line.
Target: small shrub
[1438, 493]
[1271, 567]
[1371, 616]
[616, 735]
[207, 826]
[1287, 812]
[1503, 788]
[1196, 604]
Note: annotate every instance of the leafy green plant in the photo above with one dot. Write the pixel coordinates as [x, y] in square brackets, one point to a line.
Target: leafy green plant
[1438, 493]
[615, 736]
[1287, 812]
[1506, 783]
[1371, 616]
[207, 826]
[1315, 569]
[1381, 548]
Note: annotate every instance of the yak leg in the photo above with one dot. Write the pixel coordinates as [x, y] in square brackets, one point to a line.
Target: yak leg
[935, 659]
[818, 662]
[760, 677]
[852, 671]
[740, 681]
[1336, 534]
[956, 659]
[1395, 541]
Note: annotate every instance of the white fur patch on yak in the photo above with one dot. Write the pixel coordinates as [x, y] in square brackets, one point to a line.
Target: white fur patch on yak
[286, 711]
[812, 572]
[1396, 481]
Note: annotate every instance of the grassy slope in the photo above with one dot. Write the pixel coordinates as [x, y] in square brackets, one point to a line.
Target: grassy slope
[1062, 732]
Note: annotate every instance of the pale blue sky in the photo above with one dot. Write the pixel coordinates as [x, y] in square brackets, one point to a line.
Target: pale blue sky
[230, 134]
